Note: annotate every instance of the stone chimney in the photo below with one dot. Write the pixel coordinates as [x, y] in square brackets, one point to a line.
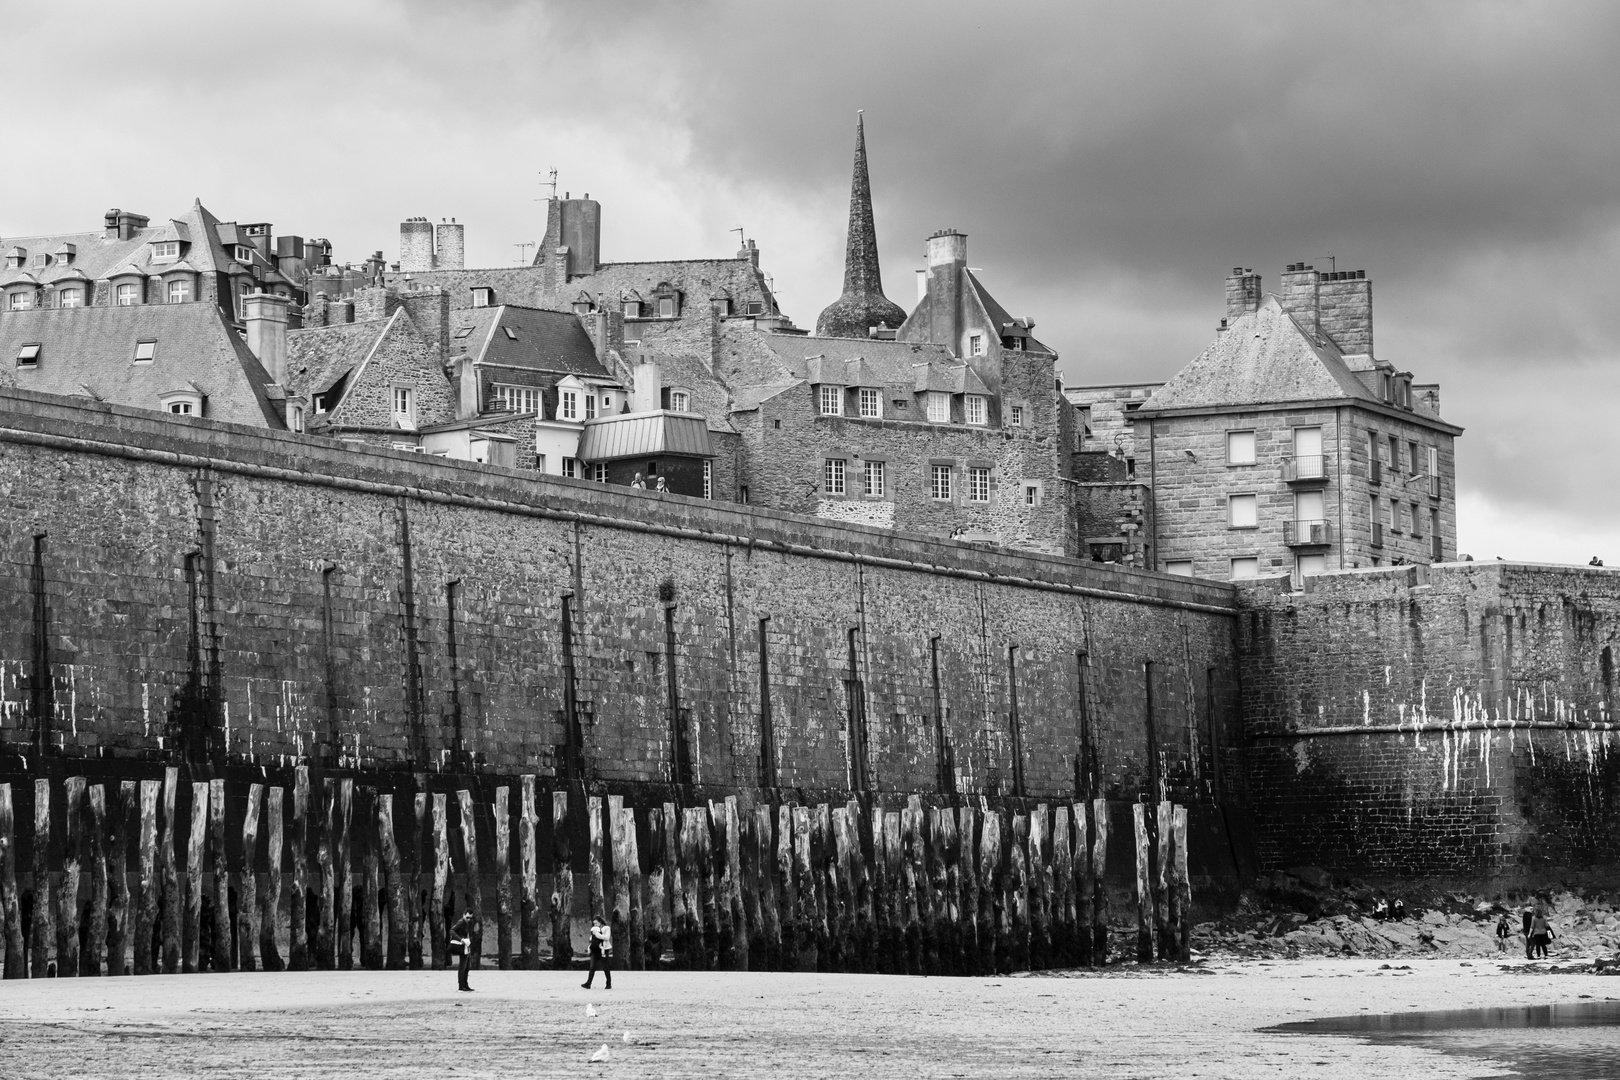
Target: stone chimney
[1344, 310]
[579, 224]
[464, 374]
[415, 245]
[606, 329]
[947, 263]
[450, 246]
[1242, 293]
[429, 311]
[749, 251]
[648, 391]
[265, 317]
[370, 303]
[1299, 296]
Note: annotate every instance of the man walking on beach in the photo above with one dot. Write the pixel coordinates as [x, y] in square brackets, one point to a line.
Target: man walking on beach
[601, 953]
[461, 943]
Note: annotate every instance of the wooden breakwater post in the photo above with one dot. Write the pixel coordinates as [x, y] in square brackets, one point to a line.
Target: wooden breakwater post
[658, 913]
[768, 942]
[196, 837]
[475, 885]
[43, 913]
[1146, 915]
[618, 892]
[1096, 877]
[123, 822]
[529, 878]
[733, 901]
[343, 916]
[370, 902]
[399, 903]
[438, 929]
[298, 945]
[248, 914]
[222, 952]
[149, 884]
[562, 883]
[967, 872]
[1183, 883]
[1018, 892]
[631, 869]
[67, 893]
[1040, 889]
[788, 891]
[93, 853]
[270, 897]
[594, 885]
[990, 899]
[1160, 830]
[503, 878]
[1063, 924]
[10, 903]
[170, 902]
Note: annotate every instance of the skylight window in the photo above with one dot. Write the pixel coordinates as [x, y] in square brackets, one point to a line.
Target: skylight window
[28, 355]
[465, 331]
[511, 334]
[145, 351]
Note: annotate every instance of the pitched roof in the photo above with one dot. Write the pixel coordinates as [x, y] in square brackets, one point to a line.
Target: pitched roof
[1263, 357]
[1005, 324]
[319, 357]
[96, 256]
[92, 350]
[526, 337]
[748, 398]
[873, 362]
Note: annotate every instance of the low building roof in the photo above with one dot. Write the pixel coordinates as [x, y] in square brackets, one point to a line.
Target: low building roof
[524, 337]
[627, 435]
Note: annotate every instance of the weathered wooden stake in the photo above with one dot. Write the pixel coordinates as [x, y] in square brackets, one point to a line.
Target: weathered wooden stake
[222, 876]
[912, 874]
[324, 809]
[1183, 889]
[882, 888]
[1099, 884]
[270, 897]
[475, 884]
[705, 871]
[1161, 826]
[528, 880]
[805, 884]
[393, 880]
[44, 909]
[788, 895]
[92, 852]
[657, 913]
[420, 847]
[990, 897]
[123, 822]
[438, 930]
[733, 901]
[594, 885]
[617, 893]
[679, 913]
[149, 885]
[247, 908]
[196, 839]
[67, 893]
[950, 894]
[298, 943]
[767, 944]
[631, 868]
[844, 946]
[562, 884]
[170, 862]
[342, 898]
[1040, 890]
[1144, 886]
[1084, 939]
[1018, 891]
[1062, 889]
[16, 966]
[689, 927]
[902, 891]
[503, 878]
[967, 868]
[366, 832]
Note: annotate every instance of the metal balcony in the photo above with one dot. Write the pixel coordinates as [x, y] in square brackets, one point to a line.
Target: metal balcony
[1307, 533]
[1378, 534]
[1307, 469]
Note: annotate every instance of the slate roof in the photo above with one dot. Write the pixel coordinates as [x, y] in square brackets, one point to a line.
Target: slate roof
[1263, 357]
[873, 362]
[320, 357]
[698, 281]
[538, 340]
[91, 350]
[749, 398]
[1005, 324]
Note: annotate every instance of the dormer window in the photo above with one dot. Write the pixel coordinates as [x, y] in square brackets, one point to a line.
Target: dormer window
[568, 405]
[70, 297]
[28, 355]
[830, 400]
[483, 297]
[974, 410]
[939, 407]
[668, 299]
[183, 403]
[145, 350]
[975, 344]
[22, 300]
[42, 259]
[666, 307]
[165, 249]
[582, 304]
[180, 291]
[244, 254]
[722, 306]
[16, 257]
[128, 295]
[632, 309]
[871, 403]
[65, 253]
[680, 401]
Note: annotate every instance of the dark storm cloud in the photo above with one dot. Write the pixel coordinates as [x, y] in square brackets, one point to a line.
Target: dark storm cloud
[1111, 162]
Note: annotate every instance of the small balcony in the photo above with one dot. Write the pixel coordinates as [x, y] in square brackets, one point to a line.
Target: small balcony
[1305, 469]
[1307, 533]
[1378, 534]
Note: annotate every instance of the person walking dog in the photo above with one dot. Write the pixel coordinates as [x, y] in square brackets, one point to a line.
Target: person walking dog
[461, 945]
[601, 953]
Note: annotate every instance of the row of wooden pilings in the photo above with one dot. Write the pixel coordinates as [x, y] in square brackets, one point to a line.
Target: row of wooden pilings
[923, 890]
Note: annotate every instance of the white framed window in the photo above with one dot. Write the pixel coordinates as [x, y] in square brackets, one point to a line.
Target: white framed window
[145, 351]
[483, 297]
[166, 249]
[938, 404]
[1017, 415]
[568, 405]
[939, 483]
[872, 479]
[1434, 471]
[708, 479]
[1179, 567]
[680, 401]
[1240, 448]
[975, 344]
[632, 309]
[518, 399]
[180, 408]
[404, 411]
[599, 472]
[28, 355]
[590, 406]
[70, 298]
[127, 295]
[42, 259]
[180, 291]
[833, 476]
[973, 410]
[722, 306]
[1245, 566]
[607, 402]
[830, 400]
[978, 484]
[570, 467]
[244, 254]
[22, 301]
[1310, 565]
[666, 307]
[182, 404]
[297, 418]
[1243, 511]
[1032, 493]
[871, 403]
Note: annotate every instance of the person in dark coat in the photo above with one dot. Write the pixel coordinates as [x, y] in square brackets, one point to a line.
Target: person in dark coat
[1529, 946]
[601, 953]
[461, 945]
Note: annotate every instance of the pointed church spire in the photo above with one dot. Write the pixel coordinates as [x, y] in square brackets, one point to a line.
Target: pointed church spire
[863, 305]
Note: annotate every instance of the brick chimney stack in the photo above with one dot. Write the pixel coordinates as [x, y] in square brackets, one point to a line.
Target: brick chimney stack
[1242, 293]
[1299, 296]
[264, 315]
[1344, 310]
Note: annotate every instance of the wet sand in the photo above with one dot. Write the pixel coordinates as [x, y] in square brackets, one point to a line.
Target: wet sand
[1124, 1023]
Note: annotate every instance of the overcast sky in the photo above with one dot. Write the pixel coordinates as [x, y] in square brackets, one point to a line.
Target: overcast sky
[1110, 163]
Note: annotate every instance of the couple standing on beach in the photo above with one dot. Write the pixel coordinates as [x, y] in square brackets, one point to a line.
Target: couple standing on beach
[1537, 930]
[601, 951]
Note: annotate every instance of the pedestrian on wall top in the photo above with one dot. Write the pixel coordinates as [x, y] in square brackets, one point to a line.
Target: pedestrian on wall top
[461, 946]
[601, 953]
[638, 482]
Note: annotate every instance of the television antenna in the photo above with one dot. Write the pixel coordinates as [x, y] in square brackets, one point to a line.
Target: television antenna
[550, 181]
[523, 255]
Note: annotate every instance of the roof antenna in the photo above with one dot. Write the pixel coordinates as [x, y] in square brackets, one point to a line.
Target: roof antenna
[523, 255]
[742, 239]
[1333, 264]
[550, 180]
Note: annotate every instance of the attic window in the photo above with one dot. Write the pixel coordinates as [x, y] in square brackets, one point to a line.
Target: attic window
[483, 297]
[166, 249]
[42, 259]
[511, 334]
[465, 331]
[680, 401]
[244, 254]
[632, 309]
[666, 307]
[145, 350]
[975, 344]
[755, 307]
[722, 306]
[28, 355]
